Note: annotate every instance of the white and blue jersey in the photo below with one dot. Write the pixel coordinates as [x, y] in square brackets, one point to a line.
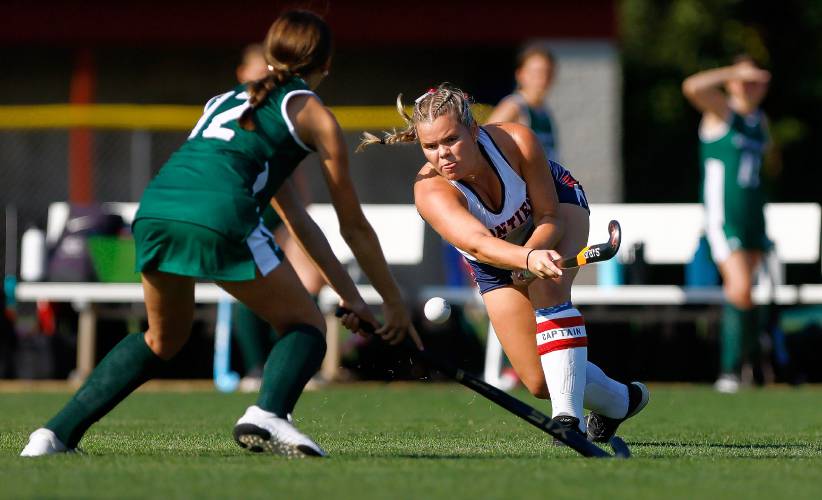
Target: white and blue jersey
[513, 222]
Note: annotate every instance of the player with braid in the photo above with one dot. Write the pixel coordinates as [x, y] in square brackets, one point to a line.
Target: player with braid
[491, 193]
[200, 218]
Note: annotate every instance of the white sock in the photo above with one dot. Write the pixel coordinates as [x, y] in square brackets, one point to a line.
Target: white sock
[605, 395]
[562, 346]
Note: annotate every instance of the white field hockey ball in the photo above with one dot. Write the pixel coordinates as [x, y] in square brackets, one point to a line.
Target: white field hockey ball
[437, 310]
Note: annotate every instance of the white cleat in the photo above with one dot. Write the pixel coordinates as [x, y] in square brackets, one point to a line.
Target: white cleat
[43, 442]
[727, 384]
[259, 430]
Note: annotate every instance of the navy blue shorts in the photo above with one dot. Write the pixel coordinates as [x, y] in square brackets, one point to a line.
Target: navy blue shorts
[569, 190]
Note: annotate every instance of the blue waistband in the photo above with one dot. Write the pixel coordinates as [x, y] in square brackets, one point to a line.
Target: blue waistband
[554, 309]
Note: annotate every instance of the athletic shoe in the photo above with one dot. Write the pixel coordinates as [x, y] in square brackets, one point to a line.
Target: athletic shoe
[259, 430]
[570, 423]
[601, 428]
[727, 384]
[43, 442]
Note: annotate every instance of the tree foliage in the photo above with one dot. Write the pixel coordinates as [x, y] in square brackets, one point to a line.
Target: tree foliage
[665, 41]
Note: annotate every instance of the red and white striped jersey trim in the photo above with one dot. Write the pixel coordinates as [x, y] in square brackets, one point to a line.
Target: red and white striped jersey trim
[562, 330]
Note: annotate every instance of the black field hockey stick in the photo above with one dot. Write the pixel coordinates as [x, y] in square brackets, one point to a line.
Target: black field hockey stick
[575, 441]
[592, 253]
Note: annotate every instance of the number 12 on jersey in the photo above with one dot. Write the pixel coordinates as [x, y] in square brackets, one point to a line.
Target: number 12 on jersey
[213, 127]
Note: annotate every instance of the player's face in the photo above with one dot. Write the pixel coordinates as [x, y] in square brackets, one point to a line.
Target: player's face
[535, 74]
[253, 68]
[750, 92]
[449, 146]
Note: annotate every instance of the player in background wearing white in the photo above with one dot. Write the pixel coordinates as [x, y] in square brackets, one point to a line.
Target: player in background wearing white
[491, 193]
[534, 74]
[734, 138]
[252, 333]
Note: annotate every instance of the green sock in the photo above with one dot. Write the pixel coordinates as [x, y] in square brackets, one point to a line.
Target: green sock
[125, 368]
[736, 325]
[252, 334]
[293, 360]
[751, 348]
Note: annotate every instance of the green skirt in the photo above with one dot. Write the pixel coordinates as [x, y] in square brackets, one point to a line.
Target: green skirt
[187, 249]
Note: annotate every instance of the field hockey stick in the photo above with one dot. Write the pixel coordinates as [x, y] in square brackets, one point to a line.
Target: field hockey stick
[573, 440]
[592, 253]
[225, 380]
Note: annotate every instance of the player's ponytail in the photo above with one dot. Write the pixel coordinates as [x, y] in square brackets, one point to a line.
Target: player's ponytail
[436, 102]
[297, 44]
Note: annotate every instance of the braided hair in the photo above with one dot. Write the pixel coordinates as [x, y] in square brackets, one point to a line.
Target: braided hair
[297, 44]
[442, 100]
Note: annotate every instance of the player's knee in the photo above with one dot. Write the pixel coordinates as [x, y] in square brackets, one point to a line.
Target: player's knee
[739, 296]
[165, 346]
[535, 383]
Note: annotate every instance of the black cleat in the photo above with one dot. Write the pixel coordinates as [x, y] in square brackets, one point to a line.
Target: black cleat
[571, 424]
[601, 428]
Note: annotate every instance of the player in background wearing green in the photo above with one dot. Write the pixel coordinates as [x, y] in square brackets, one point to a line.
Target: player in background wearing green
[200, 218]
[253, 334]
[534, 75]
[535, 72]
[733, 137]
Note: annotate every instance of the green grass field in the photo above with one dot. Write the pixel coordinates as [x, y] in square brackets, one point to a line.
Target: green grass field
[423, 441]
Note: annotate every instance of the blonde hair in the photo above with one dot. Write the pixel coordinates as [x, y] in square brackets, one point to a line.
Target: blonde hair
[442, 100]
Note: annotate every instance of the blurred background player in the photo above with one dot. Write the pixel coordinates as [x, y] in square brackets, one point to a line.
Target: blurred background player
[200, 218]
[733, 136]
[491, 192]
[253, 334]
[534, 75]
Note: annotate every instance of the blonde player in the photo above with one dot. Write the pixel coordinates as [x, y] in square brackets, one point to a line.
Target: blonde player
[491, 193]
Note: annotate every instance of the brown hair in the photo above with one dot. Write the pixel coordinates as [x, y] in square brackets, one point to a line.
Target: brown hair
[536, 49]
[436, 102]
[297, 44]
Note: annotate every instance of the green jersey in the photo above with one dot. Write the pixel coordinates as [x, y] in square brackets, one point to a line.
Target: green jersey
[224, 176]
[731, 189]
[539, 120]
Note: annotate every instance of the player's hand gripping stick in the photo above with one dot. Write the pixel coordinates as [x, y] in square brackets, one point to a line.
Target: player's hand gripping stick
[590, 254]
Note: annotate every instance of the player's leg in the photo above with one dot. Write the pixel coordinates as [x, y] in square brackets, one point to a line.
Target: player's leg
[610, 402]
[253, 335]
[739, 316]
[309, 275]
[280, 299]
[137, 358]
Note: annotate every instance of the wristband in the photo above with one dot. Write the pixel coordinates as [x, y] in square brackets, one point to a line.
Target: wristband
[526, 259]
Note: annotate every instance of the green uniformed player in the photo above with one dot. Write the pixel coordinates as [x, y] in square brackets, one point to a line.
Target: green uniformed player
[534, 74]
[200, 218]
[253, 335]
[733, 136]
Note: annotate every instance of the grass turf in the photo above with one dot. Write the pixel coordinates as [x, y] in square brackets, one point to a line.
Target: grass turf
[423, 441]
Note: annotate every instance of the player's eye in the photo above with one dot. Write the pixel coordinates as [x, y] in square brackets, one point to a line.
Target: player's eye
[429, 146]
[452, 139]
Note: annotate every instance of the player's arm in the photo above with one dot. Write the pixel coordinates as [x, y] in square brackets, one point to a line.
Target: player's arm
[318, 127]
[520, 145]
[506, 111]
[445, 210]
[313, 242]
[704, 91]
